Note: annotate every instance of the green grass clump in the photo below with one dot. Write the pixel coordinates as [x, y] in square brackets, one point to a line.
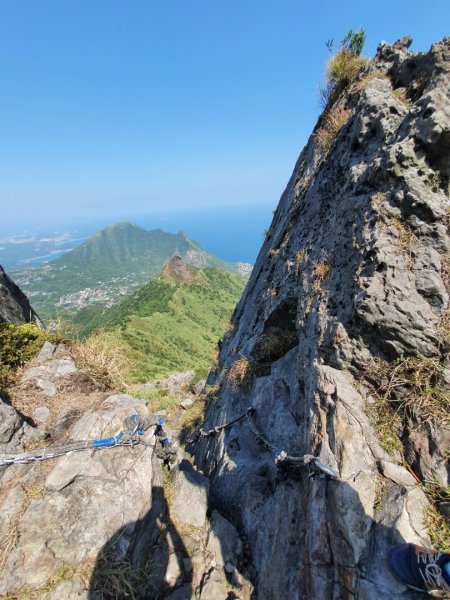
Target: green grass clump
[18, 344]
[157, 398]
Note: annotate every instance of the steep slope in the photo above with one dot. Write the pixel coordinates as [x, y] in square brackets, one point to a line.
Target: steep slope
[340, 344]
[14, 305]
[172, 323]
[107, 266]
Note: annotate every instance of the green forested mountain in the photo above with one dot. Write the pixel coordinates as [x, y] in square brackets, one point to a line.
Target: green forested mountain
[108, 266]
[172, 323]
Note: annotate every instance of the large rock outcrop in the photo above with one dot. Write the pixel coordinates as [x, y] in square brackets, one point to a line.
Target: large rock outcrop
[350, 287]
[14, 305]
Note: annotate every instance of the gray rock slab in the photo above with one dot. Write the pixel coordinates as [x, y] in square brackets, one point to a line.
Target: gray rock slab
[41, 414]
[215, 587]
[88, 498]
[49, 372]
[10, 422]
[397, 474]
[47, 387]
[187, 403]
[174, 571]
[45, 354]
[223, 543]
[191, 497]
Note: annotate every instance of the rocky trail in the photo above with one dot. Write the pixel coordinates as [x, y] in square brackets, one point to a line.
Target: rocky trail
[109, 523]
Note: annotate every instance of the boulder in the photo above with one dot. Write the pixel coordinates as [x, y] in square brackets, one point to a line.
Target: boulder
[190, 501]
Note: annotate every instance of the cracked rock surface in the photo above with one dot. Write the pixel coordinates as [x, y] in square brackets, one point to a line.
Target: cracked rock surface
[353, 273]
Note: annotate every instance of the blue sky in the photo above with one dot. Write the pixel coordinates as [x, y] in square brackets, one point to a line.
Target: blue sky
[117, 109]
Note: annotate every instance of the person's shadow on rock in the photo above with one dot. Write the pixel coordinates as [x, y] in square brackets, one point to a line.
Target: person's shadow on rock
[145, 560]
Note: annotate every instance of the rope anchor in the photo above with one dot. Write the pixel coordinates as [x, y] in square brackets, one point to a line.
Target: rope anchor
[283, 460]
[131, 434]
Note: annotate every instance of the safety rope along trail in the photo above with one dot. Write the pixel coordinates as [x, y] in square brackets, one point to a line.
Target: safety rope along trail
[131, 434]
[282, 458]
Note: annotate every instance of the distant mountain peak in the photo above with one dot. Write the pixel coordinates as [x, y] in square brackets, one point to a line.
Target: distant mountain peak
[177, 271]
[123, 225]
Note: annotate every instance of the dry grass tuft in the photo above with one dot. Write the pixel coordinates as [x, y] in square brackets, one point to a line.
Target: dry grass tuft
[114, 578]
[387, 422]
[344, 68]
[104, 355]
[414, 384]
[239, 372]
[273, 345]
[9, 540]
[191, 420]
[320, 272]
[378, 199]
[445, 269]
[333, 122]
[75, 392]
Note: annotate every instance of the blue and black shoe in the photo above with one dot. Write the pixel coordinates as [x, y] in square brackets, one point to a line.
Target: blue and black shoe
[420, 568]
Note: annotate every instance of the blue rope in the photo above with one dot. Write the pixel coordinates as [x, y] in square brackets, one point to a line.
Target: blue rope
[106, 442]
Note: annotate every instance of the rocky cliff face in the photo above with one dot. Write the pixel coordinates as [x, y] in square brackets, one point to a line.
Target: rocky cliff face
[340, 343]
[14, 305]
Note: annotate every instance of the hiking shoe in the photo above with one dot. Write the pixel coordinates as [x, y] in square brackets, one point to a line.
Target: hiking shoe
[419, 568]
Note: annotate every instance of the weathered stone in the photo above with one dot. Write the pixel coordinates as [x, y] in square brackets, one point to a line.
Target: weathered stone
[187, 403]
[45, 354]
[229, 568]
[88, 499]
[52, 369]
[214, 587]
[9, 422]
[191, 497]
[199, 386]
[224, 543]
[47, 387]
[397, 473]
[41, 414]
[175, 383]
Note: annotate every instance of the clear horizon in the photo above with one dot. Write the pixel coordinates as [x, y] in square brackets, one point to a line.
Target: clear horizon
[109, 111]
